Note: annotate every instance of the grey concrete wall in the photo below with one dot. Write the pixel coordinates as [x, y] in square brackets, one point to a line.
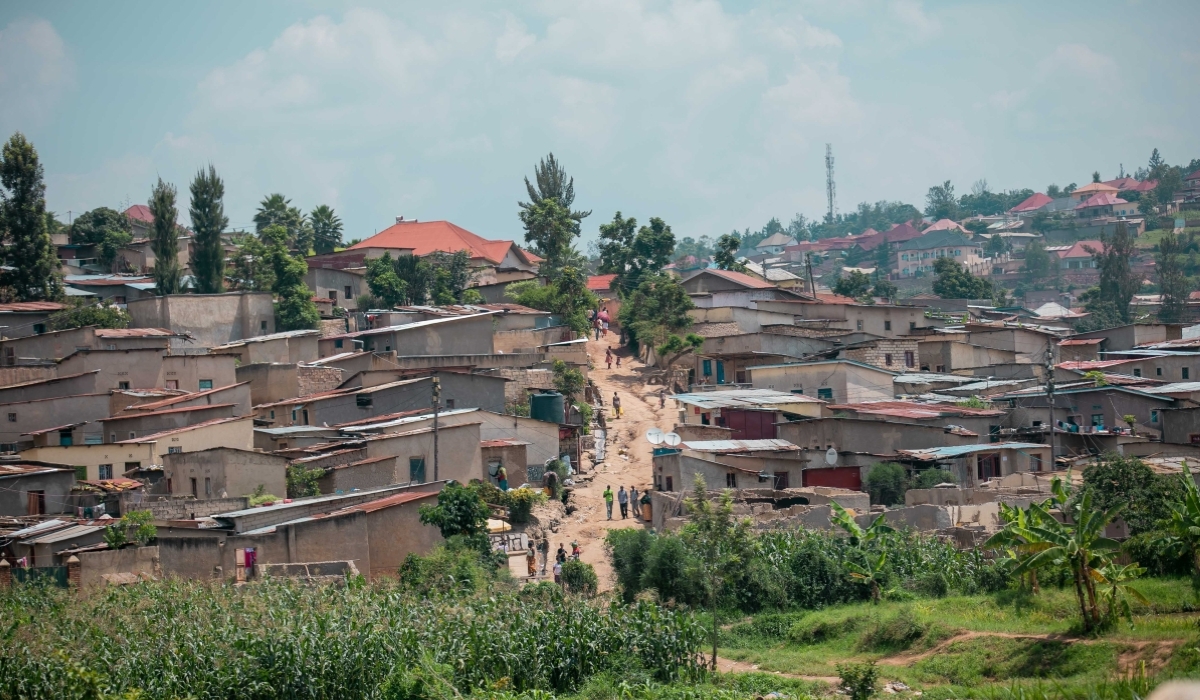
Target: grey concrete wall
[1181, 425]
[528, 339]
[183, 507]
[394, 533]
[458, 452]
[132, 425]
[269, 382]
[211, 319]
[142, 562]
[53, 387]
[21, 417]
[233, 472]
[14, 492]
[870, 435]
[366, 474]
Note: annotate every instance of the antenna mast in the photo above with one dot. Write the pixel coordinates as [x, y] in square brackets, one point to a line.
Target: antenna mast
[830, 187]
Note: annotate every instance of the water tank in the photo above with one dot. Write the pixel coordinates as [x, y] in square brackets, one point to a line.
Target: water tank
[547, 407]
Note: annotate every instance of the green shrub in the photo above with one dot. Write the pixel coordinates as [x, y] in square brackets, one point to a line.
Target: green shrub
[1153, 550]
[667, 564]
[928, 478]
[887, 482]
[520, 502]
[895, 633]
[580, 577]
[818, 630]
[769, 626]
[858, 679]
[627, 549]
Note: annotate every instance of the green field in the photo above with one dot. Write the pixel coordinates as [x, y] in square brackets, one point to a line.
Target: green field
[977, 646]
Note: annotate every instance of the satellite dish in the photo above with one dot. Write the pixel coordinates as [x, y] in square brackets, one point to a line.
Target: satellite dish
[654, 436]
[672, 439]
[831, 456]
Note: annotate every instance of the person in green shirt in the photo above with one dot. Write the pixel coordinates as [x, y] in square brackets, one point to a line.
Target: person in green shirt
[608, 499]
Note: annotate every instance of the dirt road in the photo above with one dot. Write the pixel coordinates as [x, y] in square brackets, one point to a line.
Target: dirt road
[640, 404]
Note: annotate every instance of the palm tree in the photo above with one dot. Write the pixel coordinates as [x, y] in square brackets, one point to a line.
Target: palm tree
[327, 229]
[272, 210]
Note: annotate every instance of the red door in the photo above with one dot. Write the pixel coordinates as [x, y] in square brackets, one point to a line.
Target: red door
[749, 425]
[838, 477]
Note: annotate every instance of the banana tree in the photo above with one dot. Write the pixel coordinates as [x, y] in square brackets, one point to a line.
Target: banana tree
[871, 574]
[858, 535]
[1184, 525]
[1118, 593]
[1014, 519]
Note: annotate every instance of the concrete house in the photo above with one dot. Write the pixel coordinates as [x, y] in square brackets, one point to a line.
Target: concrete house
[981, 421]
[135, 424]
[96, 462]
[1085, 407]
[34, 488]
[452, 335]
[285, 347]
[751, 414]
[460, 389]
[227, 432]
[220, 472]
[919, 254]
[973, 465]
[774, 244]
[64, 384]
[151, 368]
[459, 455]
[342, 285]
[238, 395]
[55, 345]
[949, 353]
[710, 288]
[22, 419]
[883, 320]
[354, 404]
[838, 381]
[25, 318]
[210, 319]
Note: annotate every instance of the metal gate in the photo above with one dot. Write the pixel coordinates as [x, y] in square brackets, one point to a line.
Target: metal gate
[839, 477]
[749, 425]
[45, 575]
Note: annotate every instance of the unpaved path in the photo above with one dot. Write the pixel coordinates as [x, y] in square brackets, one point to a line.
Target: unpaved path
[640, 402]
[730, 666]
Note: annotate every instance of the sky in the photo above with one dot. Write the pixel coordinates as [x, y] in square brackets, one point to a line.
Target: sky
[711, 115]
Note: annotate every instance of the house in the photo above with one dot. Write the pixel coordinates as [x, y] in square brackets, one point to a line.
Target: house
[1105, 204]
[459, 454]
[134, 424]
[221, 472]
[751, 414]
[64, 384]
[945, 225]
[879, 437]
[949, 353]
[973, 465]
[450, 335]
[1082, 194]
[891, 238]
[151, 368]
[95, 461]
[981, 421]
[775, 275]
[918, 254]
[1191, 188]
[113, 288]
[24, 318]
[30, 487]
[237, 395]
[237, 432]
[459, 388]
[774, 244]
[1181, 426]
[22, 420]
[716, 288]
[1079, 349]
[1129, 184]
[1083, 406]
[209, 319]
[833, 312]
[366, 473]
[284, 347]
[839, 381]
[1032, 204]
[341, 285]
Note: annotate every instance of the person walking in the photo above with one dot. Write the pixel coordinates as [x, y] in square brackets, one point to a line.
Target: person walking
[502, 478]
[623, 501]
[596, 326]
[608, 496]
[575, 550]
[544, 550]
[608, 357]
[561, 555]
[633, 502]
[531, 561]
[662, 398]
[618, 362]
[558, 572]
[616, 402]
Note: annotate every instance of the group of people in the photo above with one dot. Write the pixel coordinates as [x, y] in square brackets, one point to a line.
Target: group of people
[599, 319]
[624, 499]
[609, 355]
[560, 557]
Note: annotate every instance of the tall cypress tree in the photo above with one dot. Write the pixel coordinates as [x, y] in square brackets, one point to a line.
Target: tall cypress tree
[23, 232]
[208, 223]
[166, 238]
[1118, 282]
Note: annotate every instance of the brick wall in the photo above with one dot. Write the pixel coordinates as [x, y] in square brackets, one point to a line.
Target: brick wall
[189, 508]
[522, 380]
[877, 354]
[332, 326]
[313, 380]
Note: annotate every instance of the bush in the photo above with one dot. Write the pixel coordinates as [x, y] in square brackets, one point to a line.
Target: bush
[302, 482]
[580, 577]
[887, 482]
[895, 633]
[930, 478]
[1153, 551]
[454, 568]
[666, 570]
[627, 548]
[858, 680]
[822, 629]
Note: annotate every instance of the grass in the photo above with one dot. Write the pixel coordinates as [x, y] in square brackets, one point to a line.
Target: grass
[973, 646]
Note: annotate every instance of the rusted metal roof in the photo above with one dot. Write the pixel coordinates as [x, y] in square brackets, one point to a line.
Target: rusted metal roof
[27, 306]
[742, 398]
[43, 431]
[956, 451]
[112, 485]
[910, 409]
[767, 445]
[503, 442]
[135, 333]
[17, 469]
[1081, 341]
[390, 501]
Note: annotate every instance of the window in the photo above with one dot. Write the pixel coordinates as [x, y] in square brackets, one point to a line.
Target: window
[1137, 371]
[1185, 373]
[35, 502]
[449, 404]
[387, 348]
[106, 471]
[333, 295]
[207, 486]
[132, 435]
[887, 325]
[349, 292]
[262, 326]
[1035, 463]
[294, 412]
[112, 437]
[65, 438]
[1098, 420]
[363, 400]
[825, 394]
[12, 418]
[174, 450]
[706, 368]
[172, 383]
[272, 414]
[195, 492]
[205, 384]
[337, 343]
[38, 329]
[132, 465]
[781, 481]
[858, 324]
[912, 325]
[416, 470]
[909, 359]
[731, 480]
[887, 359]
[1158, 371]
[306, 416]
[670, 484]
[123, 386]
[1154, 416]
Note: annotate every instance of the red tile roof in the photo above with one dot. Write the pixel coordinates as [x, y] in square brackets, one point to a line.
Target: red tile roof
[1094, 187]
[140, 212]
[1194, 296]
[742, 279]
[1032, 203]
[835, 299]
[1100, 200]
[396, 500]
[425, 237]
[896, 234]
[1081, 249]
[20, 306]
[600, 283]
[1128, 184]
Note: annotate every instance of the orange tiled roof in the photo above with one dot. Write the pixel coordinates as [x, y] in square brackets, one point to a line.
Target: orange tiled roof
[425, 237]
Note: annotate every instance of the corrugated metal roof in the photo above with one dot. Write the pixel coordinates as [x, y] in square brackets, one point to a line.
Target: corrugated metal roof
[295, 429]
[282, 335]
[411, 419]
[1178, 387]
[40, 527]
[10, 470]
[503, 442]
[768, 445]
[932, 378]
[65, 534]
[390, 501]
[135, 333]
[954, 451]
[408, 326]
[742, 398]
[823, 362]
[26, 306]
[1081, 341]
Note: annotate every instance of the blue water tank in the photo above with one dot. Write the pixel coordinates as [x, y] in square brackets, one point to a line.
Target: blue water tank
[547, 407]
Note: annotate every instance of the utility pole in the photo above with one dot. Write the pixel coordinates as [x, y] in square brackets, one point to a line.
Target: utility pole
[830, 187]
[812, 288]
[1050, 395]
[437, 402]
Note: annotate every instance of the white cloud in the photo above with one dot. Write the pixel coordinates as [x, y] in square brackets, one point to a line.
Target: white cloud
[1078, 62]
[514, 40]
[35, 70]
[913, 18]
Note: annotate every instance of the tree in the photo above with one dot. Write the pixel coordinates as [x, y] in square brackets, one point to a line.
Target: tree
[630, 256]
[677, 347]
[1155, 165]
[940, 202]
[451, 278]
[27, 250]
[567, 296]
[384, 283]
[854, 285]
[208, 223]
[106, 229]
[1096, 176]
[549, 230]
[294, 308]
[1170, 181]
[417, 274]
[873, 572]
[1147, 497]
[1118, 283]
[954, 282]
[1037, 261]
[726, 253]
[885, 289]
[887, 482]
[720, 544]
[250, 269]
[656, 309]
[1053, 191]
[996, 246]
[1184, 524]
[1172, 282]
[568, 380]
[165, 238]
[552, 183]
[276, 210]
[90, 314]
[460, 512]
[327, 229]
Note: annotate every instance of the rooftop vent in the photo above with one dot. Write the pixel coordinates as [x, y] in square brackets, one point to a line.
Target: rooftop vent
[402, 220]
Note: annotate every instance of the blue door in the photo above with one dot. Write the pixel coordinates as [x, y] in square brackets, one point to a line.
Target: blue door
[720, 372]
